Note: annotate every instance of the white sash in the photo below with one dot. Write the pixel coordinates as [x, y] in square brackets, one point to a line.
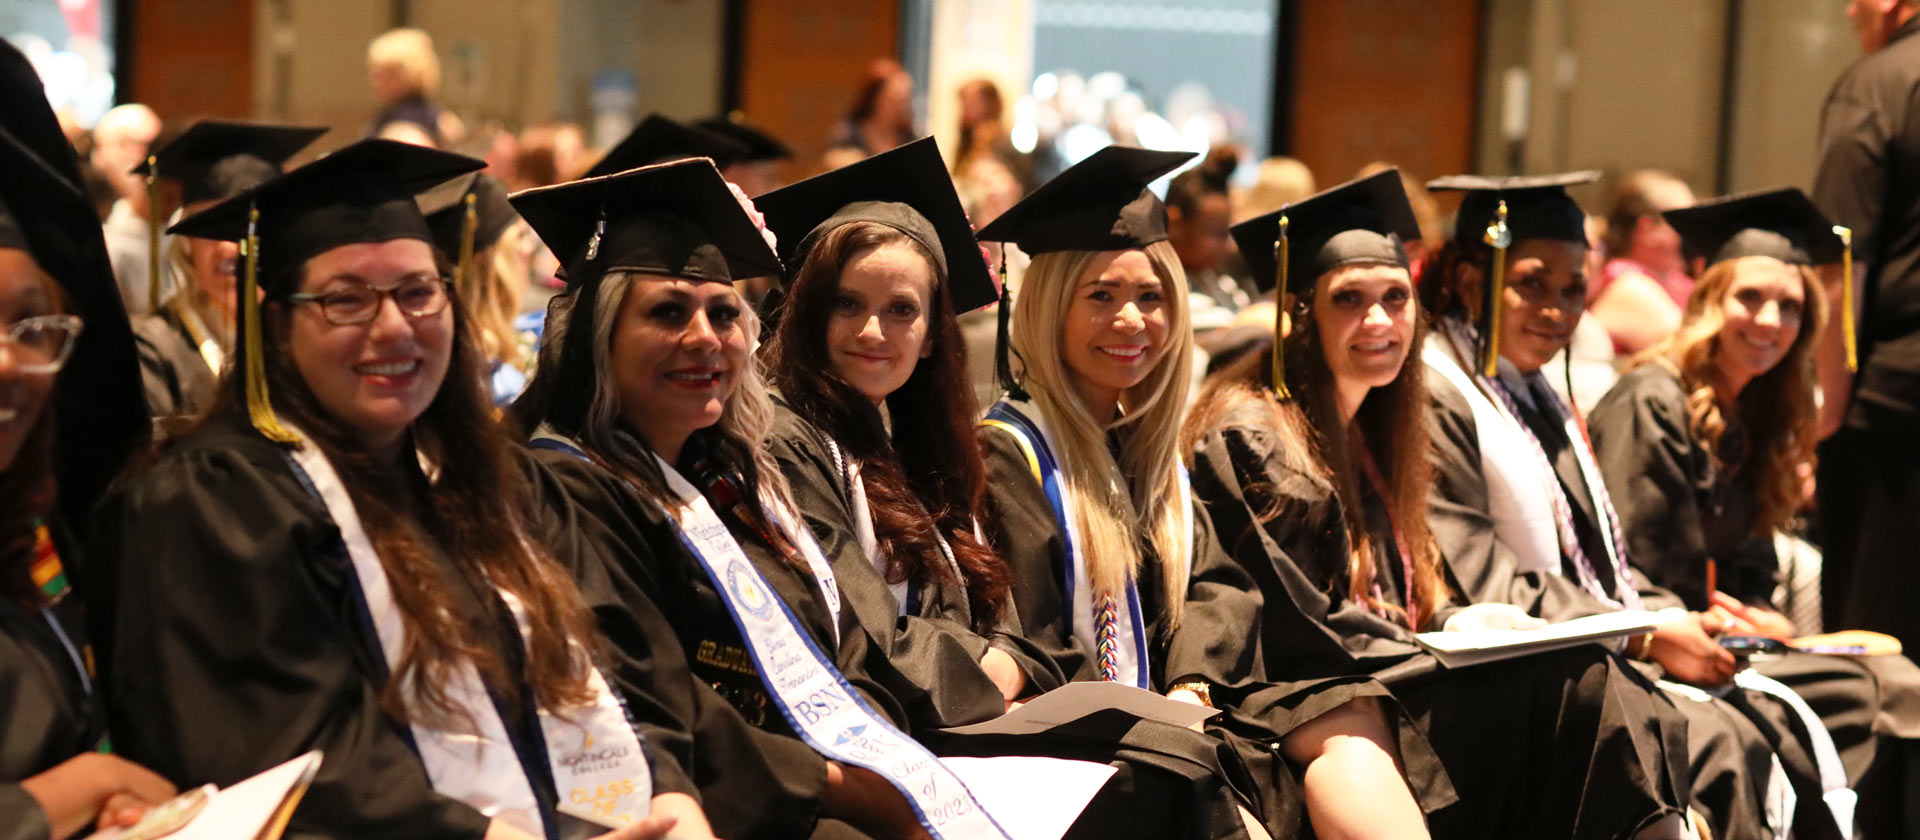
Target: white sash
[1520, 506]
[1023, 422]
[812, 695]
[599, 771]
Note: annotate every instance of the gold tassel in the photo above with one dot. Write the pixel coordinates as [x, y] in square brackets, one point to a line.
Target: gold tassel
[1500, 238]
[1279, 298]
[153, 234]
[259, 406]
[1847, 327]
[469, 225]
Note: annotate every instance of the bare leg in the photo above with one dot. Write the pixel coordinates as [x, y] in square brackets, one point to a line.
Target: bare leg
[1355, 787]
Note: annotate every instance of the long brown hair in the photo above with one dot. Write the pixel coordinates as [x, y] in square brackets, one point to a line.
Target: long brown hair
[466, 516]
[27, 486]
[1391, 423]
[931, 474]
[1775, 410]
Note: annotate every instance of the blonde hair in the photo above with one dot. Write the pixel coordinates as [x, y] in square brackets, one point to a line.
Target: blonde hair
[409, 51]
[184, 291]
[1106, 513]
[1776, 408]
[493, 298]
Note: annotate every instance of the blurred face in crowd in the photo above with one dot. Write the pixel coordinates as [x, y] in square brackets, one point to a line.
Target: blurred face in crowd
[679, 350]
[878, 332]
[120, 141]
[25, 292]
[1365, 317]
[894, 105]
[1655, 243]
[1116, 329]
[215, 267]
[375, 377]
[1761, 316]
[1203, 238]
[1875, 20]
[1545, 296]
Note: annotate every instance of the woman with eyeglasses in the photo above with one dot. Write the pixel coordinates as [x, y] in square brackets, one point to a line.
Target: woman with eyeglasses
[343, 555]
[56, 779]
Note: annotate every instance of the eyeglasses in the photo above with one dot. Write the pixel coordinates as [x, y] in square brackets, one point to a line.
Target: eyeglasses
[41, 345]
[419, 297]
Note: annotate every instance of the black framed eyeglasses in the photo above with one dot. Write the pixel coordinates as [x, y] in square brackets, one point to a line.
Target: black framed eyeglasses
[419, 297]
[41, 344]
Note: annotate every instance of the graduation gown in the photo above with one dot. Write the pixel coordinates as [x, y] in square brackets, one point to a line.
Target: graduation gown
[1218, 641]
[47, 712]
[235, 639]
[1571, 743]
[177, 380]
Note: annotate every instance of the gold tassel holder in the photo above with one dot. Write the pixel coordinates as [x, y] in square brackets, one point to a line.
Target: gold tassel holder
[259, 406]
[1495, 298]
[1279, 298]
[1848, 329]
[153, 234]
[469, 226]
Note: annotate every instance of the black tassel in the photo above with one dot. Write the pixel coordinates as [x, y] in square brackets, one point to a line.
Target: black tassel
[1003, 344]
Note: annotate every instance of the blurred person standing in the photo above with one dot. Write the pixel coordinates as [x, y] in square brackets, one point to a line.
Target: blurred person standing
[1869, 467]
[882, 115]
[404, 74]
[1643, 285]
[120, 142]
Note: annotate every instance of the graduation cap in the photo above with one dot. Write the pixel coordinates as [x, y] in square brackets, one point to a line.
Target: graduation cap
[678, 219]
[658, 140]
[1363, 221]
[466, 215]
[905, 188]
[1499, 210]
[1099, 204]
[362, 193]
[98, 397]
[214, 160]
[1781, 223]
[760, 145]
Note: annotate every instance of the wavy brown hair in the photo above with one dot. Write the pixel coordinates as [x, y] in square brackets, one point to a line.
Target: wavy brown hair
[929, 478]
[1391, 423]
[1775, 410]
[27, 486]
[466, 516]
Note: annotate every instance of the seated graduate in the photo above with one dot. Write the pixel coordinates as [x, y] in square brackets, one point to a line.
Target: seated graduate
[874, 430]
[1312, 463]
[1113, 571]
[185, 343]
[336, 558]
[648, 407]
[1702, 440]
[1520, 512]
[57, 778]
[475, 227]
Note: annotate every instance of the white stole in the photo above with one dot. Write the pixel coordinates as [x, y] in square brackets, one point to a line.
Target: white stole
[1518, 501]
[599, 769]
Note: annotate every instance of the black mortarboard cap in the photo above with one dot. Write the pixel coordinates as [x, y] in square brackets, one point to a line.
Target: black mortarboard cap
[1783, 224]
[1538, 206]
[905, 188]
[678, 219]
[760, 145]
[217, 159]
[445, 207]
[362, 193]
[659, 140]
[1099, 204]
[1366, 220]
[98, 398]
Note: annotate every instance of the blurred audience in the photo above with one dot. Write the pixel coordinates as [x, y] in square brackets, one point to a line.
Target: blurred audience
[120, 142]
[882, 114]
[1199, 213]
[1639, 294]
[404, 74]
[1277, 182]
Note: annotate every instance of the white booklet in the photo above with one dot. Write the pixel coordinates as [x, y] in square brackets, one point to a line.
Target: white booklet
[1461, 648]
[255, 809]
[1032, 798]
[1076, 700]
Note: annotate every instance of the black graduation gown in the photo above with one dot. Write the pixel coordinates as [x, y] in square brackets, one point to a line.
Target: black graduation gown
[175, 376]
[936, 651]
[1729, 756]
[1218, 641]
[778, 792]
[46, 713]
[235, 640]
[1571, 743]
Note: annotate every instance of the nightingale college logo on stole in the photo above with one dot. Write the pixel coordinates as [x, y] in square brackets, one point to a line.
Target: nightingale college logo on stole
[752, 597]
